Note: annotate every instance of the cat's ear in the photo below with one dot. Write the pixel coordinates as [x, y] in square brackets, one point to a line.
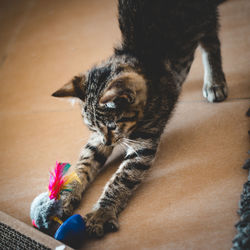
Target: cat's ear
[73, 88]
[128, 88]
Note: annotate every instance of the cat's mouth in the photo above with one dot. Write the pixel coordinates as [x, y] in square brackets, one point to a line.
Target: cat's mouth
[111, 139]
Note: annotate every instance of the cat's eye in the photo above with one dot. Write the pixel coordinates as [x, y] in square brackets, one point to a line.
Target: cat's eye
[110, 105]
[111, 126]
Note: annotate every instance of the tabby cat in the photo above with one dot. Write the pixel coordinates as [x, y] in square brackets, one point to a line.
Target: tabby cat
[128, 98]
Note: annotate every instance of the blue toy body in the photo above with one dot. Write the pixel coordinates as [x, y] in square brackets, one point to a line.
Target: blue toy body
[71, 232]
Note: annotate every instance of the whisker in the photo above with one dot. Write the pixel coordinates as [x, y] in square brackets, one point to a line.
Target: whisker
[131, 148]
[123, 146]
[130, 140]
[134, 141]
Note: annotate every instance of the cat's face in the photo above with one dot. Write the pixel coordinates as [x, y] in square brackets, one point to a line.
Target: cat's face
[112, 97]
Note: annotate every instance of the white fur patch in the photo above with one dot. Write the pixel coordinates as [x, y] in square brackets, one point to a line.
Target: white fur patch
[207, 68]
[73, 100]
[86, 121]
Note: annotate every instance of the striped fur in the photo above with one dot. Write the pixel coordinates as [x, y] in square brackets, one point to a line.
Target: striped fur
[129, 98]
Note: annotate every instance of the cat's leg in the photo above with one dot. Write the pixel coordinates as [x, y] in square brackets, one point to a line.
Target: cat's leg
[91, 160]
[104, 216]
[215, 86]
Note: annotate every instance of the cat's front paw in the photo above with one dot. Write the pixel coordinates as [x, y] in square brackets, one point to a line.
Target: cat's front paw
[71, 198]
[100, 222]
[69, 203]
[215, 93]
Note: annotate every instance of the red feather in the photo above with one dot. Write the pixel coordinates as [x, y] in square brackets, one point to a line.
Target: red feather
[57, 180]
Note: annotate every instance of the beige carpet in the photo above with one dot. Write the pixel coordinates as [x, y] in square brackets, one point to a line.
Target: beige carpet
[190, 197]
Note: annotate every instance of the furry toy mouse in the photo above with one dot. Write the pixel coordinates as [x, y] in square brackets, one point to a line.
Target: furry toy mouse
[46, 209]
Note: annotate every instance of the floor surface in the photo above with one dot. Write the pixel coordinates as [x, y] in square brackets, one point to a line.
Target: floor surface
[190, 197]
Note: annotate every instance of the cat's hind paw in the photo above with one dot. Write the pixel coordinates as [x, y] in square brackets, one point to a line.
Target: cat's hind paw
[100, 222]
[215, 93]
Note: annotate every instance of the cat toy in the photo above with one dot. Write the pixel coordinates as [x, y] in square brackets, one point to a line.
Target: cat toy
[46, 209]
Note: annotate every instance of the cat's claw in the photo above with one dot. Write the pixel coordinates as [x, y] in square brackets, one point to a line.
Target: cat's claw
[100, 222]
[215, 93]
